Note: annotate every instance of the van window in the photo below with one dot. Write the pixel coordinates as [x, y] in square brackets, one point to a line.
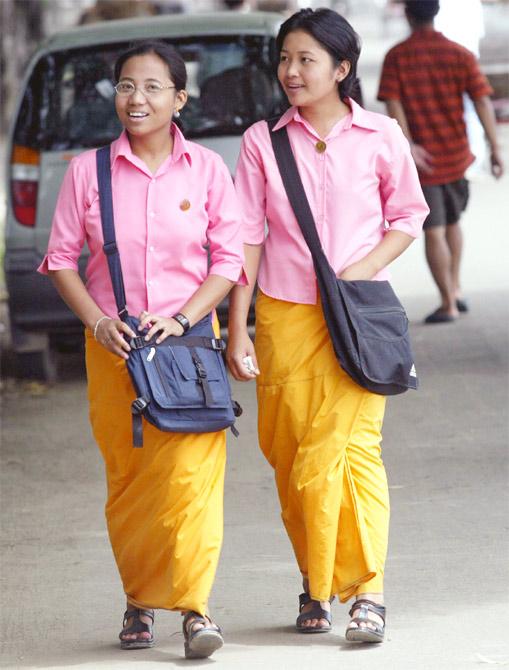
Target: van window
[69, 100]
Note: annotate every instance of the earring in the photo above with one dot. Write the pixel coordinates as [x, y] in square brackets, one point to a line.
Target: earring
[176, 113]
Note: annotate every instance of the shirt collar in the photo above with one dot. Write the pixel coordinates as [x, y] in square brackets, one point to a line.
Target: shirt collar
[359, 117]
[425, 33]
[122, 147]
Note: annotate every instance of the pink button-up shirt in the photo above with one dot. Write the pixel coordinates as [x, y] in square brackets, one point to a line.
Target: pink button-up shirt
[363, 183]
[163, 222]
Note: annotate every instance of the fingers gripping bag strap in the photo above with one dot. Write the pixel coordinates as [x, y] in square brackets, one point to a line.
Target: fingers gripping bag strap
[103, 160]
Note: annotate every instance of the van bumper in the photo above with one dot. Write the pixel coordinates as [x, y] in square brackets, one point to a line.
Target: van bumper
[34, 304]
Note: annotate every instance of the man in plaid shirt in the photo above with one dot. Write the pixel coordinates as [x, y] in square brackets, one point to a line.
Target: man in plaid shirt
[422, 83]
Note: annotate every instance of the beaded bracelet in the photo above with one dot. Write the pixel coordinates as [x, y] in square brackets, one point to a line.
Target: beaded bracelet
[97, 325]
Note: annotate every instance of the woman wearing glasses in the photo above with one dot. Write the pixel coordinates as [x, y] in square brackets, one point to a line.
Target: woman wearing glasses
[171, 198]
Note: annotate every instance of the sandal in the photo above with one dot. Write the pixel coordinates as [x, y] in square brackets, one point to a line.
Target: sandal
[439, 316]
[137, 626]
[462, 305]
[203, 642]
[365, 633]
[316, 612]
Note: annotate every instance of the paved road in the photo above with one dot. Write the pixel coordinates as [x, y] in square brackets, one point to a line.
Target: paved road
[447, 574]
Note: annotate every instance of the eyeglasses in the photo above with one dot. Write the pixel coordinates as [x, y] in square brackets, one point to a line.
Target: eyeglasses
[151, 88]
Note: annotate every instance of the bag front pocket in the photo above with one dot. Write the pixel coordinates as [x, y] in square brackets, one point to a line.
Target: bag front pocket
[379, 329]
[382, 323]
[185, 377]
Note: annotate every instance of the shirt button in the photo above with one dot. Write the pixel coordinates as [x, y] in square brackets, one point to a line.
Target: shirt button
[320, 146]
[151, 248]
[150, 282]
[152, 181]
[152, 214]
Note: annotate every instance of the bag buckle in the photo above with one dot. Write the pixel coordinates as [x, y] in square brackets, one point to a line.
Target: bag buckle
[218, 344]
[138, 405]
[110, 248]
[138, 342]
[202, 373]
[200, 369]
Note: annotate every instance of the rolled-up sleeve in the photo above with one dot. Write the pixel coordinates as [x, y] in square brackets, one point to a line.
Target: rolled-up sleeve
[476, 83]
[67, 235]
[224, 230]
[403, 203]
[250, 188]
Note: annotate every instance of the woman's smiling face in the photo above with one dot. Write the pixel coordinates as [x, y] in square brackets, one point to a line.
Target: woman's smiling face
[307, 71]
[143, 113]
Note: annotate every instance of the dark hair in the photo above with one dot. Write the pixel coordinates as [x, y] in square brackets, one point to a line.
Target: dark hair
[422, 11]
[336, 35]
[166, 53]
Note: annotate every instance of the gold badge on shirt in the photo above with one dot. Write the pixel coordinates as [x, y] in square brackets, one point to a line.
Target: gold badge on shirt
[185, 205]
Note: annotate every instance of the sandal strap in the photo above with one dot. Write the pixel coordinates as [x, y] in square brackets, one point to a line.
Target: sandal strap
[304, 599]
[197, 618]
[376, 627]
[316, 612]
[365, 606]
[137, 613]
[137, 626]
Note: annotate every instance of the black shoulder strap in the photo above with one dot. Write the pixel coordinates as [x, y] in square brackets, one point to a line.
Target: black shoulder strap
[298, 199]
[108, 226]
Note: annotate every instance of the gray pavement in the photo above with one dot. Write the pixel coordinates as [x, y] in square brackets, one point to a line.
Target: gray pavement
[445, 449]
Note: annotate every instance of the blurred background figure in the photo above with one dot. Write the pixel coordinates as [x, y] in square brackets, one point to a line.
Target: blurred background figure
[237, 5]
[423, 81]
[464, 23]
[284, 6]
[106, 10]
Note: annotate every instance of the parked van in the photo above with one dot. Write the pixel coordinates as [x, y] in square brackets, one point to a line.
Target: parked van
[66, 106]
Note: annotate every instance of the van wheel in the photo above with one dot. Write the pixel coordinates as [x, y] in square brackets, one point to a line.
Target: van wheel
[41, 365]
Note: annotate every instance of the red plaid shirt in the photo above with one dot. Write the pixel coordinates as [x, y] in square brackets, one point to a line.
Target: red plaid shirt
[428, 74]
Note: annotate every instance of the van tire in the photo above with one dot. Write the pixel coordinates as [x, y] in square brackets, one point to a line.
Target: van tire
[39, 365]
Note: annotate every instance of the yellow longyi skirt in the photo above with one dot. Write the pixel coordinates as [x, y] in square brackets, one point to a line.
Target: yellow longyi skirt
[321, 433]
[165, 501]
